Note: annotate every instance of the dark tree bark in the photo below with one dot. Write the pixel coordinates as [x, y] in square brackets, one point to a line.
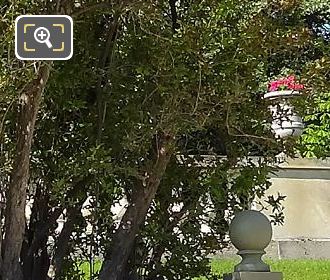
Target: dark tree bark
[174, 15]
[35, 241]
[105, 58]
[36, 259]
[114, 266]
[16, 195]
[62, 244]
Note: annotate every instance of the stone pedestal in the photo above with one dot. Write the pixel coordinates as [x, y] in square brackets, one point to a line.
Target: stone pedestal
[253, 276]
[251, 232]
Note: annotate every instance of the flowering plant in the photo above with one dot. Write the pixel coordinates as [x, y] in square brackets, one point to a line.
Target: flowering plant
[285, 84]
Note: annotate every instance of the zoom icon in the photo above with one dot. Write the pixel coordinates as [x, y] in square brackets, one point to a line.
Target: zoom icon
[44, 37]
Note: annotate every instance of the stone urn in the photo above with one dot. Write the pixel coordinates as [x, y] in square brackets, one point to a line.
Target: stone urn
[285, 121]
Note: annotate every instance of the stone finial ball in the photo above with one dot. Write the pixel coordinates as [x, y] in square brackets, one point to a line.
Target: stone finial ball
[250, 230]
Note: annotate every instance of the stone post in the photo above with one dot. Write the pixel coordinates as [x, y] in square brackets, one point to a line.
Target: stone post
[251, 232]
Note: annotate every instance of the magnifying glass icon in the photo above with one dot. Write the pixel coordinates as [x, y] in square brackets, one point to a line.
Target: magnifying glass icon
[42, 35]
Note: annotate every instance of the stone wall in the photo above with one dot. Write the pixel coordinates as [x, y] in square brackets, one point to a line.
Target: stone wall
[305, 233]
[306, 229]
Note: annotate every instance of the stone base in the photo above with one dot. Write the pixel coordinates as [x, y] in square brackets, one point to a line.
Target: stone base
[254, 276]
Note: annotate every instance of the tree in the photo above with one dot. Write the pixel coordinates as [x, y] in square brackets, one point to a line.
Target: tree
[152, 87]
[315, 140]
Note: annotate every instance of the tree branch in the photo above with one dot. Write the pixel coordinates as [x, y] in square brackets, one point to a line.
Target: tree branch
[174, 15]
[100, 6]
[244, 135]
[105, 56]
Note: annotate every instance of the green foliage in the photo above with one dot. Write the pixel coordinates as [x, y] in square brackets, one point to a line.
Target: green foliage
[315, 140]
[135, 75]
[188, 220]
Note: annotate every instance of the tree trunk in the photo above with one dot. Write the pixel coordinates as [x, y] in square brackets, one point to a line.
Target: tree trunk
[62, 243]
[16, 195]
[35, 257]
[34, 253]
[115, 263]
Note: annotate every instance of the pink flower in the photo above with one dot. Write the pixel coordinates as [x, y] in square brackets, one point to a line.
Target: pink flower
[298, 87]
[291, 78]
[273, 86]
[284, 84]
